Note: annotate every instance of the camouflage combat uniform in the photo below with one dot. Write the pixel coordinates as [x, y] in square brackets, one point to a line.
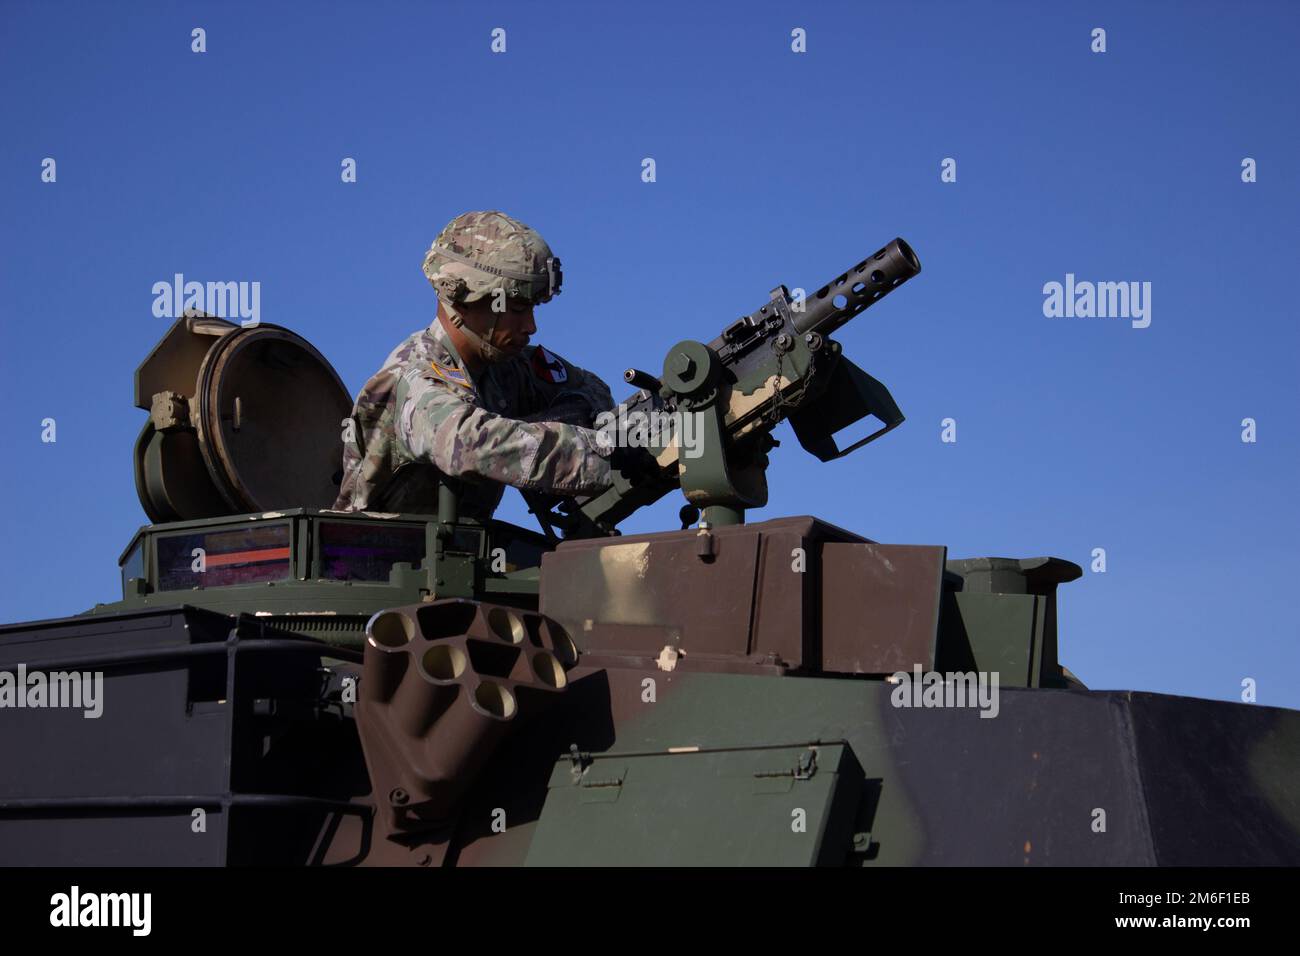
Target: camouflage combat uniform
[520, 423]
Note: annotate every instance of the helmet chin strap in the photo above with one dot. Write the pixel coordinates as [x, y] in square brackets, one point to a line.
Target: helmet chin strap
[486, 350]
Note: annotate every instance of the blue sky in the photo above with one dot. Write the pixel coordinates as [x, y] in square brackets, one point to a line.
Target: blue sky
[772, 167]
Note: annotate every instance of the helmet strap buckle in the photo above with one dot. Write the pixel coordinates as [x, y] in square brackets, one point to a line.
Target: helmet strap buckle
[486, 350]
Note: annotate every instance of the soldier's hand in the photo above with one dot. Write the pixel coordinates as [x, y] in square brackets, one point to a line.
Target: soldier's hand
[637, 464]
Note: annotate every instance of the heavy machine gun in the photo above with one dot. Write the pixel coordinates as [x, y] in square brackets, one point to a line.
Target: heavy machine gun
[722, 400]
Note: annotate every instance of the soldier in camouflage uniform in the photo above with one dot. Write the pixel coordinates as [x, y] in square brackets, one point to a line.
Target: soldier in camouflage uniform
[468, 399]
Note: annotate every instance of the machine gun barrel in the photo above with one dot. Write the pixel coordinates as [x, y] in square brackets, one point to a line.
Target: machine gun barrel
[848, 294]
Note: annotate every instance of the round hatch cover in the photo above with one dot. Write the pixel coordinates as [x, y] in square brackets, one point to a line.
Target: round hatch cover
[269, 420]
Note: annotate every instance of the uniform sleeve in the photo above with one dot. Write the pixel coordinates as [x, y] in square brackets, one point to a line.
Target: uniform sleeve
[439, 425]
[568, 409]
[575, 400]
[587, 386]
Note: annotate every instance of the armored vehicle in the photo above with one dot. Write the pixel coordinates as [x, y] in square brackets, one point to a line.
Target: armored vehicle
[282, 683]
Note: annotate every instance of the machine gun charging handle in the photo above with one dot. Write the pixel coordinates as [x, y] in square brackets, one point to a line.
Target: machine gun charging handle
[644, 380]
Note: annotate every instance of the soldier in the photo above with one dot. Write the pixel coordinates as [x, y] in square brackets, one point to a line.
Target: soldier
[469, 399]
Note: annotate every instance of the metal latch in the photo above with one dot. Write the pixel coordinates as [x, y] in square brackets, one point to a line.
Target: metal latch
[598, 789]
[803, 769]
[578, 761]
[169, 411]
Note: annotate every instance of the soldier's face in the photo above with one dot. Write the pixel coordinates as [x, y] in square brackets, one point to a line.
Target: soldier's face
[514, 326]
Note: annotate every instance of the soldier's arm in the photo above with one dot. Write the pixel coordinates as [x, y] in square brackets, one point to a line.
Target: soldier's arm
[566, 409]
[578, 399]
[587, 386]
[462, 440]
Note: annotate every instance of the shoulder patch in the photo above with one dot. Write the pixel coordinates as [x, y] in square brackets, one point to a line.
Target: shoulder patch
[548, 367]
[448, 374]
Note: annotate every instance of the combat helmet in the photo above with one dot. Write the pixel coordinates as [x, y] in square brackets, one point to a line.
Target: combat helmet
[480, 252]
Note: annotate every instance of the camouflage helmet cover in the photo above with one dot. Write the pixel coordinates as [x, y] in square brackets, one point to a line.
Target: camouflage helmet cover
[479, 252]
